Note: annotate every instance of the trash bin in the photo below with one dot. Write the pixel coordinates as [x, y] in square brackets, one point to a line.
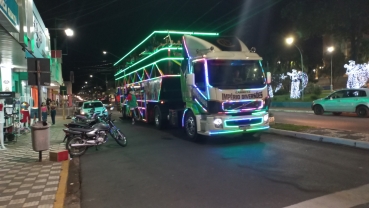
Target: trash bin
[40, 136]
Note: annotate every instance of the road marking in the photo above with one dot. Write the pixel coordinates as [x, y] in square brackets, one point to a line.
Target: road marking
[62, 188]
[342, 199]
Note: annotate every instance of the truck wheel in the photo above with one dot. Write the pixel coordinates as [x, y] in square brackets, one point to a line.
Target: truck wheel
[158, 118]
[190, 126]
[124, 113]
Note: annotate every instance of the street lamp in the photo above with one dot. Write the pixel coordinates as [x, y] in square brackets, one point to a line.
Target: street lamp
[91, 75]
[69, 32]
[290, 41]
[85, 82]
[330, 50]
[105, 52]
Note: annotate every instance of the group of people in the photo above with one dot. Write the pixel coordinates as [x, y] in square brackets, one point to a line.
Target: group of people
[48, 108]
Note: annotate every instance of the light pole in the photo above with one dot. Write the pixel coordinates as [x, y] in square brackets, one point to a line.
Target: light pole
[105, 52]
[69, 32]
[330, 50]
[290, 41]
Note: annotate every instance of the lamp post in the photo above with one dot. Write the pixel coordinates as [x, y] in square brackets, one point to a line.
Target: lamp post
[290, 41]
[69, 32]
[106, 52]
[330, 50]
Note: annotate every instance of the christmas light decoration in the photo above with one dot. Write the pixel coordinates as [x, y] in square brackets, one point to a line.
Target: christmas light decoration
[358, 74]
[297, 77]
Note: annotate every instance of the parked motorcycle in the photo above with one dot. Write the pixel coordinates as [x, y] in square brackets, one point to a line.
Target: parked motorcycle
[85, 125]
[90, 116]
[81, 138]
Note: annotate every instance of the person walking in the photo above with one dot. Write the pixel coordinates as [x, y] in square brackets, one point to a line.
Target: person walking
[44, 112]
[53, 111]
[132, 104]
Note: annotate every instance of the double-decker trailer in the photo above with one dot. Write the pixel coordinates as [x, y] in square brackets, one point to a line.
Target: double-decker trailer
[205, 83]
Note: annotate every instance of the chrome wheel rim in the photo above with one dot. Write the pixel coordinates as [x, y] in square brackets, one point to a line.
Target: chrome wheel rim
[76, 150]
[190, 126]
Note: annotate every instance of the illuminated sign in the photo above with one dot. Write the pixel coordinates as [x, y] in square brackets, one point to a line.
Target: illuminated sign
[242, 96]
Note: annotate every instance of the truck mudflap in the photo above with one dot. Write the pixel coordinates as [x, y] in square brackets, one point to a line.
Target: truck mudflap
[227, 125]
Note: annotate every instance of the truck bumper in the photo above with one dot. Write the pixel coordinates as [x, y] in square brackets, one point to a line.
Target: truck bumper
[215, 125]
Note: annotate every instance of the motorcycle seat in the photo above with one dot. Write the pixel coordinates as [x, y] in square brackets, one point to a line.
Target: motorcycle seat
[76, 125]
[81, 129]
[70, 131]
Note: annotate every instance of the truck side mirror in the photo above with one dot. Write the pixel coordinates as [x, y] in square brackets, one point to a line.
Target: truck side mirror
[190, 79]
[269, 78]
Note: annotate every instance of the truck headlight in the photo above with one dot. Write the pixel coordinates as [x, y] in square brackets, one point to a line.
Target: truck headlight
[266, 118]
[218, 123]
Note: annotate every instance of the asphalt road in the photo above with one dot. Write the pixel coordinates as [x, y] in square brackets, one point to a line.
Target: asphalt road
[163, 169]
[344, 122]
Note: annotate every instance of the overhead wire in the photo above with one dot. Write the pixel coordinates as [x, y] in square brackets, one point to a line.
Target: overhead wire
[252, 15]
[84, 9]
[204, 14]
[236, 20]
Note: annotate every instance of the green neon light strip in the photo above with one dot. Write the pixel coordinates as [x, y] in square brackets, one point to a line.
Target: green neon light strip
[162, 49]
[225, 122]
[155, 78]
[163, 59]
[237, 131]
[166, 32]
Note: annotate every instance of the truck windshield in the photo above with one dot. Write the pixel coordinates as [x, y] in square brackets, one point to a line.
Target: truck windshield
[235, 74]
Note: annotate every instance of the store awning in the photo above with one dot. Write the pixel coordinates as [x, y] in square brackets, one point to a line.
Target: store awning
[11, 52]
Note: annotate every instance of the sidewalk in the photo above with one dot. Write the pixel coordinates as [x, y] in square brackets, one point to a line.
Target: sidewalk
[25, 182]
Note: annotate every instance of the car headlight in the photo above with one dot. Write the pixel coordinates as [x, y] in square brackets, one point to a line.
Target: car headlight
[266, 118]
[83, 113]
[218, 123]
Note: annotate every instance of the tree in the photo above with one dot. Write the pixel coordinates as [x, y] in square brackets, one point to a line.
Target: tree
[346, 19]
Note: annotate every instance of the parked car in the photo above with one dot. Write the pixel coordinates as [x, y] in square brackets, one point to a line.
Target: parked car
[97, 105]
[107, 104]
[345, 100]
[78, 106]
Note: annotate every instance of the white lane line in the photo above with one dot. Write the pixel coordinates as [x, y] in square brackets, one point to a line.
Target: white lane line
[343, 199]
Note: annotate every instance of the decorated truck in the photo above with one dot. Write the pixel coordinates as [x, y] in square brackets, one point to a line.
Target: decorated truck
[205, 83]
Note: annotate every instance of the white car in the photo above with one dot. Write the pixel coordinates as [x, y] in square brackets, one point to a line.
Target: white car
[97, 105]
[345, 100]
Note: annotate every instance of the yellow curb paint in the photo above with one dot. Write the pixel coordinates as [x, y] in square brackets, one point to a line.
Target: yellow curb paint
[62, 188]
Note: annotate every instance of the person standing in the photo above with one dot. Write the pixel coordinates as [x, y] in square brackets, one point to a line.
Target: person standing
[48, 102]
[53, 111]
[44, 112]
[132, 104]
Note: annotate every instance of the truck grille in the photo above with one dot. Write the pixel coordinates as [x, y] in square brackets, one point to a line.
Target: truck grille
[244, 105]
[246, 121]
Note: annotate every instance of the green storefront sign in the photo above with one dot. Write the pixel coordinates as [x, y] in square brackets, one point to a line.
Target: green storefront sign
[9, 8]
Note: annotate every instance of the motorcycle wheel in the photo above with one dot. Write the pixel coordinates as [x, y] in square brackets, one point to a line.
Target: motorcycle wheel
[76, 151]
[120, 138]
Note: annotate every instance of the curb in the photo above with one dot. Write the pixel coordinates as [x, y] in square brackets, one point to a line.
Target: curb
[73, 192]
[321, 138]
[62, 187]
[291, 111]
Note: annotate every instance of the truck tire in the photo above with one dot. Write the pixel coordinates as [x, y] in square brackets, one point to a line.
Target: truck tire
[158, 118]
[124, 113]
[190, 126]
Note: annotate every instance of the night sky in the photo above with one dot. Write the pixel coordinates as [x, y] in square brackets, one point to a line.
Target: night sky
[118, 25]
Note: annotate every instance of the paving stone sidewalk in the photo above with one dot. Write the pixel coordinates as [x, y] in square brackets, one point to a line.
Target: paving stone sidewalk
[25, 182]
